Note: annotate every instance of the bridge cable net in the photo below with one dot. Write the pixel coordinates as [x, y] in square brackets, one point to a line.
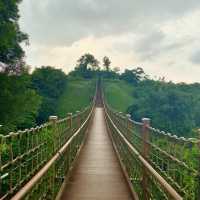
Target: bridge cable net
[159, 165]
[35, 162]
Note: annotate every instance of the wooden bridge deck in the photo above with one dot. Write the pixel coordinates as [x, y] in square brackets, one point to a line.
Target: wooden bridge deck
[97, 174]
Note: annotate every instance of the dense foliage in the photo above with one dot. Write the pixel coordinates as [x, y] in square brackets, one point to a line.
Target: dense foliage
[171, 107]
[87, 66]
[19, 103]
[106, 63]
[77, 95]
[50, 84]
[119, 94]
[133, 76]
[27, 99]
[11, 52]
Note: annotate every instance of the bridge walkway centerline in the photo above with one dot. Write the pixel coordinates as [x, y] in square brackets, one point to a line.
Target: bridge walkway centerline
[97, 174]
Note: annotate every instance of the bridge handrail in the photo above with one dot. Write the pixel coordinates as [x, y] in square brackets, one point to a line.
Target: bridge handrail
[158, 131]
[167, 154]
[22, 193]
[24, 153]
[169, 139]
[164, 153]
[168, 188]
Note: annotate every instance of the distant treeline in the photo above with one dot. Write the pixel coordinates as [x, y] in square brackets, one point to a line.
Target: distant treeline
[28, 99]
[171, 107]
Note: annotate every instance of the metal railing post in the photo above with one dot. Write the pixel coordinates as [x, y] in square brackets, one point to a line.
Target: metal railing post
[53, 120]
[1, 144]
[198, 175]
[145, 153]
[78, 118]
[11, 161]
[128, 123]
[70, 120]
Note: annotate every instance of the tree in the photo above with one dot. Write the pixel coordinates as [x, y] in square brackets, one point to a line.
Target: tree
[106, 63]
[88, 61]
[169, 106]
[19, 103]
[87, 67]
[133, 76]
[116, 69]
[50, 84]
[11, 53]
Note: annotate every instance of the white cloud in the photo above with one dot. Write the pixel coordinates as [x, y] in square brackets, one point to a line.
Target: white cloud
[160, 36]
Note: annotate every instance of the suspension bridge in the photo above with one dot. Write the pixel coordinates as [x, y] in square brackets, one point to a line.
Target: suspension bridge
[98, 153]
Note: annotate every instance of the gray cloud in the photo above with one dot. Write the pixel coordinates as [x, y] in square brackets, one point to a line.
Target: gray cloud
[195, 57]
[150, 44]
[63, 22]
[149, 33]
[155, 43]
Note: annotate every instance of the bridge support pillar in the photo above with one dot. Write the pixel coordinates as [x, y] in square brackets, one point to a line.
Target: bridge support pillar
[145, 153]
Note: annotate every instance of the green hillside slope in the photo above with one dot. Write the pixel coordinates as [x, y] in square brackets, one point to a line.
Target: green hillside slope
[77, 95]
[119, 94]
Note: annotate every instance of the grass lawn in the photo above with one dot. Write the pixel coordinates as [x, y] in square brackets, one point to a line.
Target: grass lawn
[77, 95]
[119, 94]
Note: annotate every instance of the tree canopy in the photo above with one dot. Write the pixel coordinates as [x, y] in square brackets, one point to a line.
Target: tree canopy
[171, 107]
[133, 76]
[19, 104]
[88, 61]
[11, 52]
[106, 63]
[49, 83]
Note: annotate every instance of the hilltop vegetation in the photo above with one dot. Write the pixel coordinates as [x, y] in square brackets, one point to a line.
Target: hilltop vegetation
[11, 52]
[48, 91]
[77, 95]
[171, 107]
[28, 99]
[119, 94]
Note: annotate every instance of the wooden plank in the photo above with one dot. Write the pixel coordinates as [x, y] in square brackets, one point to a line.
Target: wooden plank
[98, 174]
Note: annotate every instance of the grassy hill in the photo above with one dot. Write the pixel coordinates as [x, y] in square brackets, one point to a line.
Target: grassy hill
[79, 92]
[119, 94]
[77, 95]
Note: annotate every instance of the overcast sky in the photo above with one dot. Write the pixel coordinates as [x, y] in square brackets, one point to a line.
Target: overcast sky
[162, 36]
